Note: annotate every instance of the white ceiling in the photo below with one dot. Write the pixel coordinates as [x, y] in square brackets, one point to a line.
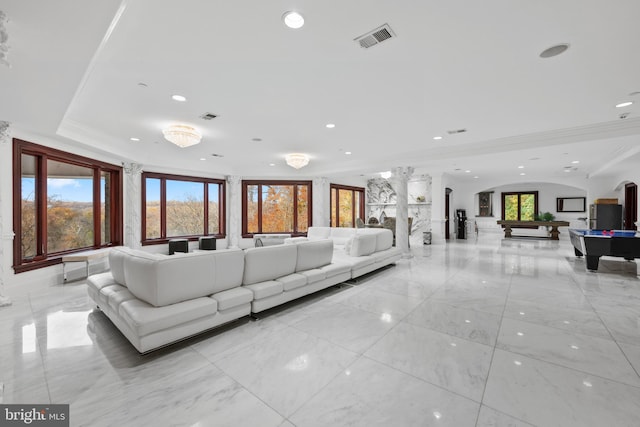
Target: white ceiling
[77, 66]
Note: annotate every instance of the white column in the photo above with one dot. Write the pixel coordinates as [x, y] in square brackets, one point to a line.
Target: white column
[320, 202]
[133, 215]
[437, 209]
[5, 152]
[399, 180]
[235, 209]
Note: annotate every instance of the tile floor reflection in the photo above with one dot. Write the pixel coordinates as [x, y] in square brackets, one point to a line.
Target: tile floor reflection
[491, 332]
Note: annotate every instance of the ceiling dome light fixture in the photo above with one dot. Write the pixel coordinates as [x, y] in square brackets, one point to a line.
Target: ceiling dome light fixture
[293, 20]
[178, 98]
[182, 135]
[624, 104]
[554, 50]
[297, 160]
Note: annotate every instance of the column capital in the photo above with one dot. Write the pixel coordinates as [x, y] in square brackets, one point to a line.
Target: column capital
[234, 179]
[131, 168]
[402, 172]
[5, 137]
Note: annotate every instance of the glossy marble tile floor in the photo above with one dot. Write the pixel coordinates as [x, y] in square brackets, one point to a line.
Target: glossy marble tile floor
[473, 333]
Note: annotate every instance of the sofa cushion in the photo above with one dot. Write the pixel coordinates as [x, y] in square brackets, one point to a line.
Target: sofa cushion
[229, 268]
[265, 289]
[363, 244]
[314, 254]
[314, 275]
[335, 268]
[168, 280]
[340, 235]
[268, 263]
[290, 240]
[144, 318]
[109, 295]
[292, 281]
[116, 262]
[318, 233]
[117, 298]
[99, 281]
[233, 298]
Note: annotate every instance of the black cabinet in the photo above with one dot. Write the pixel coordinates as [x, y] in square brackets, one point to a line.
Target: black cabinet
[605, 217]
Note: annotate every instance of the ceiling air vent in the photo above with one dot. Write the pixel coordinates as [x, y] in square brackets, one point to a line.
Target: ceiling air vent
[208, 116]
[455, 131]
[375, 37]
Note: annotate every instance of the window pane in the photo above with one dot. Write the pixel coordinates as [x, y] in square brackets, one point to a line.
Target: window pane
[527, 207]
[511, 207]
[29, 223]
[105, 208]
[152, 207]
[214, 208]
[185, 208]
[345, 203]
[303, 211]
[334, 218]
[69, 206]
[277, 208]
[252, 209]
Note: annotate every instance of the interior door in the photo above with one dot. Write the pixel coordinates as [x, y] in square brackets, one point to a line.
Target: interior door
[630, 206]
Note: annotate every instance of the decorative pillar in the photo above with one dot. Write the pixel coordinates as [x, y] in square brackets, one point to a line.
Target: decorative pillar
[235, 209]
[133, 216]
[400, 179]
[438, 220]
[320, 203]
[4, 148]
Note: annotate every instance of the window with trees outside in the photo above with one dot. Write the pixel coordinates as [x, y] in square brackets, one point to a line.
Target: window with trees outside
[62, 203]
[181, 206]
[519, 206]
[347, 204]
[276, 207]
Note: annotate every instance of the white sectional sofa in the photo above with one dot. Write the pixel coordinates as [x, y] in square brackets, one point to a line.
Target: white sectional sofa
[364, 249]
[158, 299]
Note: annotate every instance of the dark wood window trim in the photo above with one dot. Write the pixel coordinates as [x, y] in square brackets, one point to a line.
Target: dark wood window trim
[42, 154]
[519, 194]
[334, 203]
[260, 183]
[163, 177]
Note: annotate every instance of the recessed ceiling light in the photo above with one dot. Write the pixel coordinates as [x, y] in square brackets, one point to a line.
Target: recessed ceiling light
[256, 139]
[178, 98]
[554, 50]
[624, 104]
[330, 125]
[293, 20]
[141, 84]
[347, 153]
[567, 170]
[522, 173]
[575, 162]
[437, 137]
[202, 158]
[272, 164]
[520, 167]
[467, 171]
[476, 177]
[135, 139]
[217, 155]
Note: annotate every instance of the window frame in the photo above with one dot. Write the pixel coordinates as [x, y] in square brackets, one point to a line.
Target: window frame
[163, 177]
[334, 204]
[260, 183]
[42, 155]
[519, 194]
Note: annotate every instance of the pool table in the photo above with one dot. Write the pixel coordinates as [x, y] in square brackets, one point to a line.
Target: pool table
[596, 243]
